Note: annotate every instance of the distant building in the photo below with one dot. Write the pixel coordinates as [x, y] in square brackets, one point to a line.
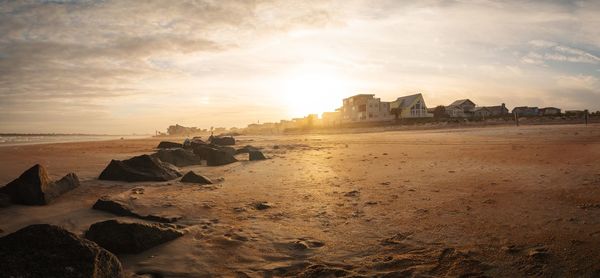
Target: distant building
[526, 111]
[364, 108]
[499, 110]
[412, 106]
[331, 119]
[481, 112]
[549, 111]
[461, 108]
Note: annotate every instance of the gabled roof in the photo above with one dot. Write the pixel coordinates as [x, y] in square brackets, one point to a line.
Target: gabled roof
[460, 102]
[406, 101]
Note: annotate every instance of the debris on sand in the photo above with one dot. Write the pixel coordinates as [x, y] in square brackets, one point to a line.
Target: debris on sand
[178, 157]
[353, 193]
[168, 145]
[262, 205]
[191, 177]
[34, 187]
[105, 203]
[129, 237]
[44, 250]
[139, 168]
[256, 155]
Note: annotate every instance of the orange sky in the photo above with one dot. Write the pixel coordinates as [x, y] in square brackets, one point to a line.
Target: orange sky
[123, 67]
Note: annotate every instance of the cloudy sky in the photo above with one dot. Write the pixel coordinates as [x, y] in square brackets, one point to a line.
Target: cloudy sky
[123, 66]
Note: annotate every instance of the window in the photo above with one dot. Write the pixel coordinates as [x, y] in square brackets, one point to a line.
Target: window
[362, 108]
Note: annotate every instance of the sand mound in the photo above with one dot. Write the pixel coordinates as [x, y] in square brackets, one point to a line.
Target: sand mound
[34, 187]
[139, 168]
[49, 251]
[178, 157]
[130, 238]
[123, 208]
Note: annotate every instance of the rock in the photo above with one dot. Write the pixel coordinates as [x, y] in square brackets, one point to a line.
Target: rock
[105, 203]
[178, 157]
[192, 177]
[219, 157]
[168, 145]
[139, 168]
[223, 141]
[4, 200]
[256, 155]
[34, 187]
[49, 251]
[246, 149]
[130, 238]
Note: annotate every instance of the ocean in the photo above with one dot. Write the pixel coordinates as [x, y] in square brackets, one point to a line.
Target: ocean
[28, 139]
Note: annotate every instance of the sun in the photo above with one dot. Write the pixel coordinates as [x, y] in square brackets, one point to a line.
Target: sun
[313, 89]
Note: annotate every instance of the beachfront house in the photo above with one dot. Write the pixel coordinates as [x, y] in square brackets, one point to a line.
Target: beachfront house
[412, 106]
[365, 108]
[525, 111]
[499, 110]
[461, 108]
[481, 112]
[332, 119]
[549, 111]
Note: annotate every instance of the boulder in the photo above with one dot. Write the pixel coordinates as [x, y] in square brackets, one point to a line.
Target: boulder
[49, 251]
[130, 238]
[168, 145]
[223, 140]
[219, 157]
[139, 168]
[256, 155]
[215, 155]
[192, 177]
[4, 200]
[178, 157]
[105, 203]
[246, 149]
[34, 187]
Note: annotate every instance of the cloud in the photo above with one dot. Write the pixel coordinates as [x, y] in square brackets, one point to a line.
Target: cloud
[552, 51]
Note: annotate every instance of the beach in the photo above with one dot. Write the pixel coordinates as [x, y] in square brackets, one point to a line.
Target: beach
[492, 201]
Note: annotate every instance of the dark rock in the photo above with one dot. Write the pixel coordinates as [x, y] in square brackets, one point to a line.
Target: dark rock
[219, 157]
[49, 251]
[256, 155]
[139, 168]
[168, 145]
[105, 203]
[4, 200]
[130, 238]
[246, 149]
[178, 157]
[192, 177]
[223, 141]
[34, 187]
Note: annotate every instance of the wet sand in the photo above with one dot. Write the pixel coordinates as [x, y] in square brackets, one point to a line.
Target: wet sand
[498, 201]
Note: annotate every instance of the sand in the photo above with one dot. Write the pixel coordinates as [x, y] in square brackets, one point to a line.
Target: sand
[498, 201]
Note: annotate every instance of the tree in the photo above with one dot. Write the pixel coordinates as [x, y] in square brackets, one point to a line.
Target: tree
[397, 112]
[439, 112]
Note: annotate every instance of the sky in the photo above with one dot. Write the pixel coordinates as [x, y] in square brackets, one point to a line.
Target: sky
[121, 67]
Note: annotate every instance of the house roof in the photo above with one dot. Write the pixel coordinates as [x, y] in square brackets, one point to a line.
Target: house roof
[460, 102]
[480, 108]
[361, 95]
[407, 101]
